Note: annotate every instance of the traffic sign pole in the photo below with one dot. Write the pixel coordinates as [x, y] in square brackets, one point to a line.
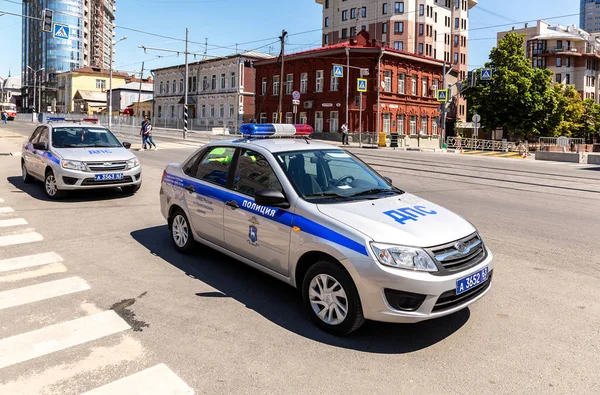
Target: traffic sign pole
[360, 122]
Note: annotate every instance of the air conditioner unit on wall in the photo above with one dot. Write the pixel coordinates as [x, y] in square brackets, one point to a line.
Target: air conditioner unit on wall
[309, 104]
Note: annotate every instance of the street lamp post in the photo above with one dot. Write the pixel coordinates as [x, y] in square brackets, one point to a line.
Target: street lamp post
[112, 44]
[34, 86]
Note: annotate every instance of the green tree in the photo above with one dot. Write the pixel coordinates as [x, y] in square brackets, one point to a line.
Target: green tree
[572, 109]
[518, 98]
[590, 121]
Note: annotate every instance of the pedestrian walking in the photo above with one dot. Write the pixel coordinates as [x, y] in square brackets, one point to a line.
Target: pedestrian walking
[345, 134]
[144, 132]
[149, 140]
[4, 117]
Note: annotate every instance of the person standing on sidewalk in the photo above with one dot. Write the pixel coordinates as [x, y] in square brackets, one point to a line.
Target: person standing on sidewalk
[4, 118]
[149, 135]
[345, 134]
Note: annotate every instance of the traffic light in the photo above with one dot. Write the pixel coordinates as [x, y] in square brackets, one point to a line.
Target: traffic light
[47, 17]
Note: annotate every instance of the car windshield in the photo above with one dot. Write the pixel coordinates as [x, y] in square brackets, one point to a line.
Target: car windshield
[331, 176]
[83, 137]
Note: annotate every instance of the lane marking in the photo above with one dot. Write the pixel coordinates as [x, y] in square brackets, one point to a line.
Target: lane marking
[57, 337]
[20, 239]
[6, 210]
[159, 380]
[24, 262]
[12, 222]
[42, 271]
[47, 290]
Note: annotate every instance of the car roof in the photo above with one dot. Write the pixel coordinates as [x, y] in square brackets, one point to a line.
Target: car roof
[275, 145]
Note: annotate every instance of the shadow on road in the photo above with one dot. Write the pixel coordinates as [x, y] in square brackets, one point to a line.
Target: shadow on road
[36, 191]
[281, 304]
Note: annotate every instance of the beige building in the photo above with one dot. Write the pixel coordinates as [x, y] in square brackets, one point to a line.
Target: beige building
[432, 28]
[572, 54]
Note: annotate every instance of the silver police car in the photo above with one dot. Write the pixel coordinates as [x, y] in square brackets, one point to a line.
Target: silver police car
[69, 155]
[318, 218]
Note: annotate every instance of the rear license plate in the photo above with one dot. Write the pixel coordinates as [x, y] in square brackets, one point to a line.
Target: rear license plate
[108, 177]
[471, 281]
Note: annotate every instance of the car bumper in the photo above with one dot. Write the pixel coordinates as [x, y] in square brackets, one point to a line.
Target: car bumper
[75, 179]
[433, 296]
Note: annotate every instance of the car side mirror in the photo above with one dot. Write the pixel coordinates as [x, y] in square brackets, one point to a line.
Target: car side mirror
[388, 180]
[271, 198]
[41, 146]
[126, 145]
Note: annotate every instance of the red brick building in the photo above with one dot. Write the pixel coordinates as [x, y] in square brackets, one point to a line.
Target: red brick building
[404, 84]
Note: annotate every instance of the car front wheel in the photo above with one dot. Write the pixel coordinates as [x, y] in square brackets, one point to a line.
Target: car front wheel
[51, 186]
[331, 298]
[181, 232]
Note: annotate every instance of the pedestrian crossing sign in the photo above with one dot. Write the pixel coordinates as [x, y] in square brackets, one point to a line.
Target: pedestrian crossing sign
[442, 95]
[338, 71]
[362, 85]
[60, 31]
[486, 74]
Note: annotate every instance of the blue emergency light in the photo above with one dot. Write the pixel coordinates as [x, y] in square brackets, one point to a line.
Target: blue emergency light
[274, 130]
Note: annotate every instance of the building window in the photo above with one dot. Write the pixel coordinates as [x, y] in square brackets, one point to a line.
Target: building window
[289, 84]
[326, 24]
[194, 83]
[387, 80]
[212, 110]
[167, 87]
[160, 111]
[203, 111]
[455, 57]
[264, 86]
[353, 13]
[303, 118]
[456, 23]
[326, 39]
[231, 108]
[400, 119]
[399, 8]
[345, 15]
[568, 61]
[567, 79]
[421, 9]
[101, 84]
[424, 125]
[223, 81]
[398, 27]
[398, 45]
[401, 85]
[303, 82]
[414, 85]
[424, 87]
[326, 4]
[333, 121]
[161, 88]
[456, 40]
[420, 48]
[558, 44]
[436, 84]
[276, 85]
[263, 117]
[232, 79]
[172, 111]
[344, 33]
[335, 83]
[204, 83]
[318, 121]
[413, 125]
[384, 9]
[213, 82]
[274, 117]
[559, 62]
[319, 81]
[457, 4]
[174, 86]
[434, 125]
[289, 117]
[363, 12]
[221, 111]
[352, 31]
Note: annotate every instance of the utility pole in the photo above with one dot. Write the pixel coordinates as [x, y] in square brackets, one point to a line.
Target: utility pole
[347, 82]
[140, 91]
[281, 79]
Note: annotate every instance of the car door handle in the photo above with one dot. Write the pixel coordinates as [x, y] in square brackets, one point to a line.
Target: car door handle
[233, 204]
[190, 188]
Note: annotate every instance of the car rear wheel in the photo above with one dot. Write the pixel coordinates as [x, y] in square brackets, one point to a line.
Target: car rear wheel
[131, 189]
[27, 178]
[331, 298]
[181, 232]
[51, 186]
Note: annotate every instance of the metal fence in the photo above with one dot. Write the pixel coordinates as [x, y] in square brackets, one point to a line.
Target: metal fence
[562, 144]
[458, 142]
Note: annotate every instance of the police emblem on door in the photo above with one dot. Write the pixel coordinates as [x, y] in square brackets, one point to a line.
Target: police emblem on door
[253, 234]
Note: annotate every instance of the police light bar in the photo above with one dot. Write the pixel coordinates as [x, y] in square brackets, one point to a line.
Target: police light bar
[92, 120]
[275, 130]
[55, 119]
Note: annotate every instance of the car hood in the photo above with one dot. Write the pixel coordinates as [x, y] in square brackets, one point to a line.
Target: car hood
[92, 154]
[401, 219]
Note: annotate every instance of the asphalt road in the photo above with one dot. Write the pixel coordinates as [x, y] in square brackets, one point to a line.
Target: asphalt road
[222, 328]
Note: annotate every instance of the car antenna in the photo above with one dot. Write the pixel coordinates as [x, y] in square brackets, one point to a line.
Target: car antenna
[306, 138]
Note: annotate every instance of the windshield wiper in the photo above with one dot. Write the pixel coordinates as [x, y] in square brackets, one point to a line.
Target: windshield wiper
[326, 194]
[373, 191]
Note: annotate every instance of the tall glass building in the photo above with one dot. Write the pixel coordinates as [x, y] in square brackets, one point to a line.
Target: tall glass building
[589, 15]
[91, 25]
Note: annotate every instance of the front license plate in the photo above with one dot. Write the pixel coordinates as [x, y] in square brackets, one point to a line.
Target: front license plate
[108, 177]
[471, 281]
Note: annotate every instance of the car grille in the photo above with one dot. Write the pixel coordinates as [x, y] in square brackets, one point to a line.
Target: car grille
[450, 299]
[106, 166]
[452, 260]
[91, 181]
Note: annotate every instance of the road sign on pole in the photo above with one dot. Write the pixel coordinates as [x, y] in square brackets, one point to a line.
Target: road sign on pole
[296, 102]
[476, 118]
[296, 95]
[338, 71]
[361, 85]
[60, 32]
[442, 95]
[486, 74]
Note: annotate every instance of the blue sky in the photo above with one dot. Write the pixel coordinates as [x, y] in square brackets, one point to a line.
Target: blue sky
[227, 22]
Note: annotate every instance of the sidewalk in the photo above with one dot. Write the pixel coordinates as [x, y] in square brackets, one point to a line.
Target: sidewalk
[10, 143]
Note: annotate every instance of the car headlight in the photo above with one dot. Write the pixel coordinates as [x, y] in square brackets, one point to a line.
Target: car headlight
[404, 257]
[132, 163]
[73, 165]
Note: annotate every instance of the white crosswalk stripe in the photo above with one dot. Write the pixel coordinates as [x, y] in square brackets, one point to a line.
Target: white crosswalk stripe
[53, 338]
[159, 380]
[38, 292]
[6, 210]
[12, 222]
[45, 270]
[20, 239]
[29, 261]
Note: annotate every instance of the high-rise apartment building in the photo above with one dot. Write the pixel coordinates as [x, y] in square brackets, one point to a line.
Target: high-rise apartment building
[589, 15]
[91, 25]
[432, 28]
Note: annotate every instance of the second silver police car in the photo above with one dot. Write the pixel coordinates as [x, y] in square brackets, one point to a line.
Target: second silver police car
[323, 221]
[78, 155]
